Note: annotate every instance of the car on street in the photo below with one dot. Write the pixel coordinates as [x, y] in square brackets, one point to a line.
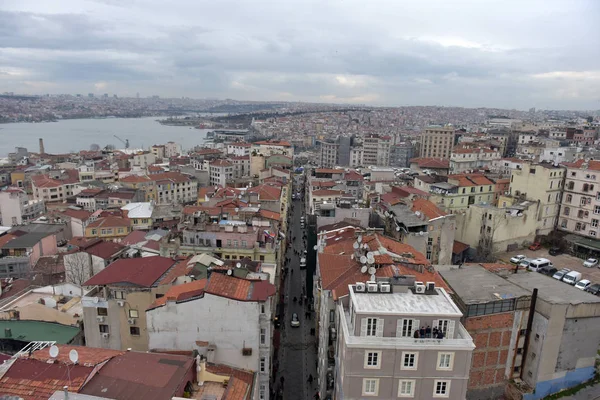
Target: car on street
[302, 262]
[559, 275]
[594, 289]
[583, 284]
[572, 277]
[517, 259]
[295, 323]
[547, 270]
[535, 246]
[590, 262]
[555, 251]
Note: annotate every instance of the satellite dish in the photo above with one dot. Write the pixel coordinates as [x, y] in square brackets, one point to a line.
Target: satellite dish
[398, 228]
[370, 260]
[363, 259]
[315, 247]
[363, 269]
[238, 265]
[370, 254]
[355, 245]
[359, 238]
[372, 270]
[53, 351]
[95, 300]
[229, 272]
[74, 356]
[418, 213]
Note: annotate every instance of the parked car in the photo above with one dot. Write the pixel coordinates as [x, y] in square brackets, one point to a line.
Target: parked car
[572, 277]
[535, 246]
[547, 270]
[517, 259]
[559, 275]
[538, 263]
[590, 262]
[594, 289]
[295, 321]
[583, 284]
[525, 263]
[554, 251]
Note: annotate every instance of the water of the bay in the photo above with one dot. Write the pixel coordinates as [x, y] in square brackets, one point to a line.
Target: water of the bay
[78, 134]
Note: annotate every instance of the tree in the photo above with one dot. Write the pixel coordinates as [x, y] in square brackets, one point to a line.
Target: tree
[490, 222]
[78, 268]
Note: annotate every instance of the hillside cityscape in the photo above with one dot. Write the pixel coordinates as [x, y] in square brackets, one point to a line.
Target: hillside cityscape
[292, 200]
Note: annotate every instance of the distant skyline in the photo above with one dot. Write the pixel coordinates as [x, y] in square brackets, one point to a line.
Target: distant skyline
[499, 54]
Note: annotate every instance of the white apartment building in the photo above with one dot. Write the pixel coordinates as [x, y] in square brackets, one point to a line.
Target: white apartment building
[220, 172]
[356, 157]
[376, 150]
[172, 149]
[558, 155]
[239, 149]
[16, 208]
[465, 159]
[143, 159]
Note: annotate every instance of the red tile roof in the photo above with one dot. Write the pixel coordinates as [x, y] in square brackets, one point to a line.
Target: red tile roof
[269, 214]
[239, 289]
[266, 192]
[429, 162]
[35, 380]
[426, 207]
[88, 356]
[142, 272]
[179, 269]
[459, 247]
[82, 215]
[591, 165]
[273, 143]
[110, 222]
[327, 192]
[328, 171]
[390, 198]
[184, 291]
[134, 237]
[104, 249]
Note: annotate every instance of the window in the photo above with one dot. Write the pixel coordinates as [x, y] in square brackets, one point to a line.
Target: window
[372, 359]
[596, 209]
[370, 387]
[592, 233]
[262, 392]
[102, 311]
[406, 388]
[134, 330]
[370, 327]
[262, 308]
[119, 295]
[261, 258]
[406, 327]
[445, 361]
[594, 223]
[263, 335]
[409, 360]
[441, 388]
[446, 326]
[568, 210]
[133, 314]
[263, 364]
[103, 328]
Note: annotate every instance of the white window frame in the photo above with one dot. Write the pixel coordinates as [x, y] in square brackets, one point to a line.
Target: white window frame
[416, 362]
[364, 387]
[377, 364]
[447, 392]
[263, 335]
[442, 356]
[376, 327]
[414, 325]
[412, 383]
[263, 364]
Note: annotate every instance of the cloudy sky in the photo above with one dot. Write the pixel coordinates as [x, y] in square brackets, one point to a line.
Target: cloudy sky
[510, 54]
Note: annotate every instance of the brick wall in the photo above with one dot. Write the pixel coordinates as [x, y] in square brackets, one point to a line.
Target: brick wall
[491, 334]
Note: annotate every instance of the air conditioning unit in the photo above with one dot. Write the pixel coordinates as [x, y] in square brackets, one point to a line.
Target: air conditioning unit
[131, 321]
[121, 303]
[100, 319]
[385, 287]
[372, 286]
[430, 286]
[419, 287]
[105, 335]
[360, 287]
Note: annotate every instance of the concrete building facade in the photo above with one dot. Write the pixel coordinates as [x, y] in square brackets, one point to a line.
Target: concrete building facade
[437, 142]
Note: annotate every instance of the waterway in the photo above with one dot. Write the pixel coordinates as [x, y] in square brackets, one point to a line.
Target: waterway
[79, 134]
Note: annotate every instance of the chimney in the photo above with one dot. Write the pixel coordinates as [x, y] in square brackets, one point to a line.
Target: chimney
[42, 151]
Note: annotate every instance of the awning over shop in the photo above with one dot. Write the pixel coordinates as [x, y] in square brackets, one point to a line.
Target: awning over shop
[589, 244]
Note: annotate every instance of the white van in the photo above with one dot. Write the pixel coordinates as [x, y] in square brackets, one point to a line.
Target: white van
[538, 263]
[572, 277]
[303, 262]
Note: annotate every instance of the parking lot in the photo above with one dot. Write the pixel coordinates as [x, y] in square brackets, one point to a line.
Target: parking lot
[560, 261]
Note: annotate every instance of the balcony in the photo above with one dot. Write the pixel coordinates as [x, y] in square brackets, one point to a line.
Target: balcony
[462, 341]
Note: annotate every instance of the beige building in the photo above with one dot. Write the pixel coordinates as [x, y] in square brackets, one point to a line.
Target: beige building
[580, 211]
[144, 159]
[537, 182]
[115, 316]
[401, 339]
[437, 142]
[376, 150]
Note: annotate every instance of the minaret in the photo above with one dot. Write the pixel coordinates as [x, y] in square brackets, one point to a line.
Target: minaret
[42, 146]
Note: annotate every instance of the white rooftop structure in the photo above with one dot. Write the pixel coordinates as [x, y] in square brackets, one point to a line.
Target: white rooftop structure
[405, 303]
[139, 210]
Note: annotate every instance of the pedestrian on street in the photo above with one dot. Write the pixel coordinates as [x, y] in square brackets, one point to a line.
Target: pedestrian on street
[317, 396]
[310, 379]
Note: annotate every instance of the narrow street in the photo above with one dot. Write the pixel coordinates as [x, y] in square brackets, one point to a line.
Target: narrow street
[298, 354]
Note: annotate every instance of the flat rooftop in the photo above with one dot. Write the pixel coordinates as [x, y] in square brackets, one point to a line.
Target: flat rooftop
[476, 285]
[404, 303]
[551, 290]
